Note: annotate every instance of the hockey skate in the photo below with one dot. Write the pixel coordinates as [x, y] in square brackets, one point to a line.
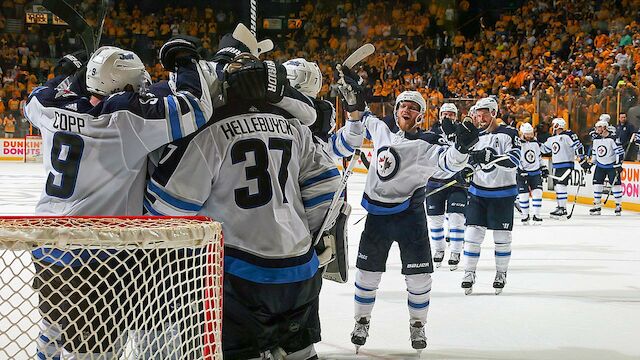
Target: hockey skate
[438, 257]
[595, 210]
[360, 333]
[454, 260]
[525, 220]
[467, 281]
[418, 337]
[618, 210]
[559, 213]
[500, 281]
[537, 220]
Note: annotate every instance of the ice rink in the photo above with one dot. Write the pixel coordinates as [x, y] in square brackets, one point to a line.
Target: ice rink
[573, 290]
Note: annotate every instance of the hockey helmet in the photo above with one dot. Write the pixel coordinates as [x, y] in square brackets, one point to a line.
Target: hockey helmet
[526, 128]
[111, 69]
[304, 76]
[448, 107]
[488, 103]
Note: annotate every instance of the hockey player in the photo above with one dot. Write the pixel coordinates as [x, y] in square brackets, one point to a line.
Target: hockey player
[95, 157]
[257, 170]
[492, 193]
[306, 77]
[451, 200]
[564, 146]
[608, 156]
[529, 176]
[394, 199]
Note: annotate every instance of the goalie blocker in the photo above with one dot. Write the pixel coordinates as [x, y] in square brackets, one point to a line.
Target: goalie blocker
[333, 247]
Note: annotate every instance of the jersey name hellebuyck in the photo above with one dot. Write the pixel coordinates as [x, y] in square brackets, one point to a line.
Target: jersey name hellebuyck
[255, 124]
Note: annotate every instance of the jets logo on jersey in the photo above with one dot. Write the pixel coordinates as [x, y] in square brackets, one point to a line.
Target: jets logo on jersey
[602, 150]
[388, 163]
[530, 156]
[555, 147]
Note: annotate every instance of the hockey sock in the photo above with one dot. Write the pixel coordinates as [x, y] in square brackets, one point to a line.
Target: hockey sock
[617, 193]
[502, 239]
[536, 201]
[435, 224]
[456, 231]
[597, 193]
[48, 343]
[561, 195]
[366, 285]
[473, 238]
[523, 200]
[419, 294]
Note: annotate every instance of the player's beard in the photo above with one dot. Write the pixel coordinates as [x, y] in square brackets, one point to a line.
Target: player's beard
[482, 125]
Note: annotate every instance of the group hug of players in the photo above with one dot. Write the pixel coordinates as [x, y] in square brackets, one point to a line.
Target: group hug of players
[246, 147]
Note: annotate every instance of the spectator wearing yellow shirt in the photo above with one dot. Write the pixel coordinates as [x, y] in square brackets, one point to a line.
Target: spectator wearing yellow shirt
[9, 123]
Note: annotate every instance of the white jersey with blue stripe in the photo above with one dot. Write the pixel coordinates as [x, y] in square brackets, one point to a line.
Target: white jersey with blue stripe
[402, 165]
[262, 175]
[531, 159]
[607, 152]
[564, 148]
[440, 177]
[499, 179]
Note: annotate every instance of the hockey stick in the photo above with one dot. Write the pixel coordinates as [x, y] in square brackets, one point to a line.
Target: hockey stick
[77, 23]
[560, 178]
[575, 200]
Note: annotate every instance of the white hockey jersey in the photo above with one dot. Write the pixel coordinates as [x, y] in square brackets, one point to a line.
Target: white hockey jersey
[499, 179]
[531, 159]
[263, 177]
[564, 148]
[402, 165]
[607, 152]
[95, 156]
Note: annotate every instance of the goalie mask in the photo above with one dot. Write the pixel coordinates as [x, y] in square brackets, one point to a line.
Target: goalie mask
[449, 110]
[111, 69]
[415, 98]
[304, 76]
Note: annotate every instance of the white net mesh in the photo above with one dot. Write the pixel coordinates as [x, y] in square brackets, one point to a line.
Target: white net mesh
[110, 288]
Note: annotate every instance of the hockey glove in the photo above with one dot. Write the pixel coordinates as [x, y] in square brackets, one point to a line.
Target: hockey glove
[229, 48]
[483, 156]
[70, 63]
[466, 135]
[449, 129]
[545, 171]
[178, 51]
[464, 176]
[351, 89]
[586, 166]
[275, 81]
[618, 169]
[244, 79]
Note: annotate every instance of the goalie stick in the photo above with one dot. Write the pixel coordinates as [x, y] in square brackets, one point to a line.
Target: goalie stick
[90, 37]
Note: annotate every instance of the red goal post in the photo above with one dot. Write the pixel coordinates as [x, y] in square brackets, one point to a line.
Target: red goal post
[138, 287]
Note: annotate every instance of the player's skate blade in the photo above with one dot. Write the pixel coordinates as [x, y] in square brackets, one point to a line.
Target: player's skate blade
[467, 282]
[454, 260]
[499, 282]
[438, 257]
[360, 333]
[537, 220]
[418, 337]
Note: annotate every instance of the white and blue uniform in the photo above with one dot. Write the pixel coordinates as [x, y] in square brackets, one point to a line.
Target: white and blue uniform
[394, 198]
[257, 170]
[492, 193]
[564, 147]
[453, 201]
[607, 154]
[529, 177]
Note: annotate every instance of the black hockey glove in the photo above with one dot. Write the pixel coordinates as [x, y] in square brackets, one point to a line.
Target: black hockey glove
[618, 170]
[545, 171]
[229, 48]
[466, 135]
[179, 51]
[483, 156]
[275, 81]
[70, 63]
[586, 166]
[464, 176]
[449, 129]
[351, 87]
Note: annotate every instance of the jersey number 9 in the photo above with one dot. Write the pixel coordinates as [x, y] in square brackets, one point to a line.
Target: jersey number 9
[66, 153]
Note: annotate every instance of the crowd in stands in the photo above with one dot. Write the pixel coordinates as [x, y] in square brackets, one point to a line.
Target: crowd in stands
[574, 59]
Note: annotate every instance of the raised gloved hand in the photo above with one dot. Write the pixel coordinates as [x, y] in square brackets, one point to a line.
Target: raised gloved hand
[466, 135]
[70, 63]
[483, 156]
[449, 129]
[545, 171]
[586, 165]
[350, 86]
[248, 78]
[178, 51]
[228, 49]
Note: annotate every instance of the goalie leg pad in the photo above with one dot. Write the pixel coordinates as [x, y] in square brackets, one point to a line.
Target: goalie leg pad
[338, 268]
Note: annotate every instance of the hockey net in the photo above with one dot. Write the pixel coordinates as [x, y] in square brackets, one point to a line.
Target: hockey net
[121, 287]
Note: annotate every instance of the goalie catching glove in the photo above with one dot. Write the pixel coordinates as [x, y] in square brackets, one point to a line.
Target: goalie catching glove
[249, 79]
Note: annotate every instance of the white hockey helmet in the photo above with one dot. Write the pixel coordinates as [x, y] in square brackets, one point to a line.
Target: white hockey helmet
[602, 123]
[111, 69]
[472, 111]
[412, 96]
[526, 128]
[448, 107]
[304, 76]
[559, 123]
[605, 117]
[488, 103]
